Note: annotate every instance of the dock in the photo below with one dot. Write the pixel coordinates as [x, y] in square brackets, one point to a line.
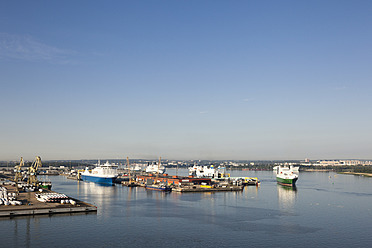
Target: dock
[207, 188]
[73, 178]
[193, 184]
[31, 206]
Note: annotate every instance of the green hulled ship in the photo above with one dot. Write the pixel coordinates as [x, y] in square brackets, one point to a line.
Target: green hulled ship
[285, 176]
[45, 185]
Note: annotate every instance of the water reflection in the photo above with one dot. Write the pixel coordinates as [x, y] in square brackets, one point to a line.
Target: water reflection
[27, 228]
[158, 194]
[132, 195]
[101, 194]
[286, 197]
[251, 191]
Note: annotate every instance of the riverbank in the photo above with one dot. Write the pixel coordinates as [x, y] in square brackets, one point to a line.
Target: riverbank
[315, 170]
[357, 174]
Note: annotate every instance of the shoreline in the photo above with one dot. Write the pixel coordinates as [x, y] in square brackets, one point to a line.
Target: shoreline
[357, 174]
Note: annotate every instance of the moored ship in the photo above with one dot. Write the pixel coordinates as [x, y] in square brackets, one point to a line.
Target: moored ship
[105, 174]
[205, 171]
[45, 185]
[154, 168]
[155, 185]
[285, 176]
[159, 187]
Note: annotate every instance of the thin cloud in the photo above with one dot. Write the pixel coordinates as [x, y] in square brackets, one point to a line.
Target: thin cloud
[203, 112]
[27, 48]
[340, 88]
[248, 99]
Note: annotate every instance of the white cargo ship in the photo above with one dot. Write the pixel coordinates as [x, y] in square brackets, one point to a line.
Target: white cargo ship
[106, 174]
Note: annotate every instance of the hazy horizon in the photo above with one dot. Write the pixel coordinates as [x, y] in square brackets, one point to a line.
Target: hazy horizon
[175, 159]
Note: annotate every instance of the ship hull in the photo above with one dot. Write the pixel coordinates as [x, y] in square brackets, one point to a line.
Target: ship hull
[158, 188]
[48, 186]
[101, 180]
[287, 182]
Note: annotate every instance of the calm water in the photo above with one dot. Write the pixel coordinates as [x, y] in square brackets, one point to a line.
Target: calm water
[326, 210]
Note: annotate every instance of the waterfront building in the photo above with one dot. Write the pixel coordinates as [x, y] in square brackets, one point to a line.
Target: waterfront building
[342, 163]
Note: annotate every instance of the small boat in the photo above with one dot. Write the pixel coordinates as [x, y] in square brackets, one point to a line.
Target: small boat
[159, 187]
[245, 181]
[45, 185]
[251, 181]
[156, 185]
[285, 176]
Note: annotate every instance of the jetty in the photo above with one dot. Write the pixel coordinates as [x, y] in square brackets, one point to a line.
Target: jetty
[207, 188]
[356, 173]
[190, 183]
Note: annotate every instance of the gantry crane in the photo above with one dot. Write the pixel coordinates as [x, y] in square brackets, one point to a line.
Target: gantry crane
[131, 181]
[32, 171]
[18, 171]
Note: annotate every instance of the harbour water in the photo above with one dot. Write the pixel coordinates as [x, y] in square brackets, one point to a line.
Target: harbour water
[325, 210]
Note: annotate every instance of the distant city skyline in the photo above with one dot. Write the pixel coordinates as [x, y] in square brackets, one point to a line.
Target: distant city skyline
[215, 80]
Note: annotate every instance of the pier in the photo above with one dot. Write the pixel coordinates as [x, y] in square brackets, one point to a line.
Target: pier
[190, 183]
[207, 188]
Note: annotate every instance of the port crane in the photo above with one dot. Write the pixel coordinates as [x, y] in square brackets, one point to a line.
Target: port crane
[128, 167]
[157, 172]
[18, 171]
[32, 171]
[131, 181]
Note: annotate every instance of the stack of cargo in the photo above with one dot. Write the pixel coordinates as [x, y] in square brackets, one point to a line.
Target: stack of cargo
[4, 196]
[8, 198]
[52, 197]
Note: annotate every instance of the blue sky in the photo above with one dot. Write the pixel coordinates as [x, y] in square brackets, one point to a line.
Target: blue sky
[185, 79]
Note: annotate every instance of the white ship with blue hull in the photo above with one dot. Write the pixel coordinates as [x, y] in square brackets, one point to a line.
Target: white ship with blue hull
[105, 174]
